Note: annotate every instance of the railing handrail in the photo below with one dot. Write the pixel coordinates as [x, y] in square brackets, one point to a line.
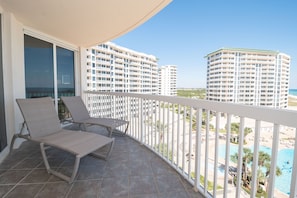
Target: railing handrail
[267, 114]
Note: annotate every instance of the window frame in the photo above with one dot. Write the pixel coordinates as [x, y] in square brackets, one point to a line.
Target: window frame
[57, 43]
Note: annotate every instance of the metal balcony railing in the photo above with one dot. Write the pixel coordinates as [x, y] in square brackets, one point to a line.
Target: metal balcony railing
[197, 138]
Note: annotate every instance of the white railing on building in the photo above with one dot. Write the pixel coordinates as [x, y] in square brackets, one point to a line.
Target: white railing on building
[180, 131]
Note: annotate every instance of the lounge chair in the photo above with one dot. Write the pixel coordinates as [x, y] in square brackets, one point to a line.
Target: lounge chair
[44, 127]
[80, 115]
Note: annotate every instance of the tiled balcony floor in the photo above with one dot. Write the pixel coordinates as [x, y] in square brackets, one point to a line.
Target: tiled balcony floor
[132, 171]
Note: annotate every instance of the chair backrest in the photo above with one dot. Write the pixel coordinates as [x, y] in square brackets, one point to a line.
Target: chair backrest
[76, 107]
[40, 116]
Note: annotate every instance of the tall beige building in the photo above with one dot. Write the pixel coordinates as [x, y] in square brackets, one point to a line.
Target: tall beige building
[248, 76]
[118, 69]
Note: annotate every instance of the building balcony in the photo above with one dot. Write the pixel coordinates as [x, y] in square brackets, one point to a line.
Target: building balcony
[174, 147]
[198, 140]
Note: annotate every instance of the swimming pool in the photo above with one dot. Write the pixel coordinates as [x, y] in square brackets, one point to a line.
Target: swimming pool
[284, 162]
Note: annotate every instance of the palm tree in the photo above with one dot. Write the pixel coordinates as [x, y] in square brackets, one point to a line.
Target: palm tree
[246, 159]
[264, 161]
[235, 129]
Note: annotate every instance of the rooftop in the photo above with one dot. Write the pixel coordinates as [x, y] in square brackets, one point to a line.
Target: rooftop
[259, 51]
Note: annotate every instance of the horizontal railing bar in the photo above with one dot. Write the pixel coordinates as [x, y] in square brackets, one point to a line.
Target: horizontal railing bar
[277, 116]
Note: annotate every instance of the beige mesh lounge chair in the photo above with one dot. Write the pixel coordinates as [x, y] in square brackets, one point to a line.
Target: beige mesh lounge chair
[44, 127]
[80, 115]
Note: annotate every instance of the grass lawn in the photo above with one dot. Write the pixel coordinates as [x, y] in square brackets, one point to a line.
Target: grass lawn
[192, 93]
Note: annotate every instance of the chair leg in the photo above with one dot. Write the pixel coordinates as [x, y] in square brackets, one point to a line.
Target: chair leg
[18, 135]
[119, 132]
[75, 168]
[105, 157]
[110, 149]
[126, 128]
[110, 130]
[84, 127]
[47, 166]
[15, 136]
[58, 174]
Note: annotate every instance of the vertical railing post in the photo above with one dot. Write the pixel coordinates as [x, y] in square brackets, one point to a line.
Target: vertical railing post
[273, 160]
[154, 121]
[141, 120]
[178, 138]
[293, 188]
[129, 117]
[198, 149]
[150, 120]
[158, 127]
[144, 113]
[162, 125]
[240, 155]
[190, 144]
[215, 177]
[227, 156]
[173, 132]
[207, 122]
[114, 105]
[168, 127]
[255, 158]
[184, 139]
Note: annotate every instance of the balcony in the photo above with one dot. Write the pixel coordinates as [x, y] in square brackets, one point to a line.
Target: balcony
[173, 148]
[196, 138]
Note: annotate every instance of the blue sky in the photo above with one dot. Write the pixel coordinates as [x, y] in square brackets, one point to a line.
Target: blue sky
[185, 31]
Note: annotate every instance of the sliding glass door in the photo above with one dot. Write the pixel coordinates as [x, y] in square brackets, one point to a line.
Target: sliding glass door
[65, 72]
[39, 68]
[49, 70]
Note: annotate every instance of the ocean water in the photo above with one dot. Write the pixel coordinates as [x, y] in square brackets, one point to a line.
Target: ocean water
[284, 162]
[293, 92]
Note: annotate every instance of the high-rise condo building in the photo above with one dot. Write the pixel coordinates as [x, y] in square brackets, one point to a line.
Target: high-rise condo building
[248, 76]
[114, 68]
[167, 80]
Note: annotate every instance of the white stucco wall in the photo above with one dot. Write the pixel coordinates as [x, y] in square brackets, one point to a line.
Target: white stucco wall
[13, 60]
[14, 71]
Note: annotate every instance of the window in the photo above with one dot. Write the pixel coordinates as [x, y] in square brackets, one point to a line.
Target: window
[46, 75]
[39, 70]
[65, 69]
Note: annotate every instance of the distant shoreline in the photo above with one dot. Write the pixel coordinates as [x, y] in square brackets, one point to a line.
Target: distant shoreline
[292, 102]
[293, 96]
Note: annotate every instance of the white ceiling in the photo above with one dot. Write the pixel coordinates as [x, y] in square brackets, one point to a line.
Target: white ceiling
[84, 22]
